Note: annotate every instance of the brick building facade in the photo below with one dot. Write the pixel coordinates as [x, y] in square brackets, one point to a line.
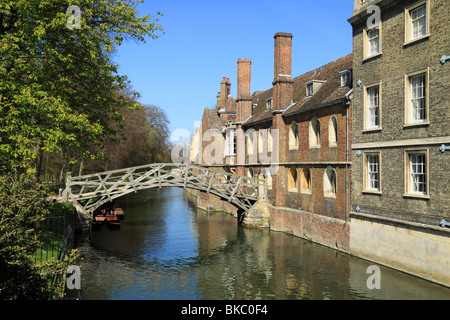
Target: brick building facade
[296, 136]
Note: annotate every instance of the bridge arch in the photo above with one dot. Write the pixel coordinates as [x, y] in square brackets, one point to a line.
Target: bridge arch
[92, 191]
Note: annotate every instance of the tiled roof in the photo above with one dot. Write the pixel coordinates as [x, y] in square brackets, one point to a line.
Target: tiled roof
[215, 122]
[329, 91]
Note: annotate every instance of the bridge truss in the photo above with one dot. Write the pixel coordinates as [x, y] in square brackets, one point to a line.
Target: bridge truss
[94, 190]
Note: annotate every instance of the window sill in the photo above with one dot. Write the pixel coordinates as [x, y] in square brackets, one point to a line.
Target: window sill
[410, 42]
[306, 192]
[376, 192]
[368, 58]
[293, 148]
[417, 196]
[333, 145]
[315, 147]
[293, 190]
[416, 124]
[369, 130]
[330, 195]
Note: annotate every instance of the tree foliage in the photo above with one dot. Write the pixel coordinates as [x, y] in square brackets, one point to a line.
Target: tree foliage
[58, 85]
[60, 94]
[22, 208]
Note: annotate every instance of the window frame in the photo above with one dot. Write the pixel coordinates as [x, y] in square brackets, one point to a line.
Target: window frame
[269, 140]
[333, 132]
[408, 21]
[346, 75]
[367, 113]
[293, 181]
[366, 42]
[407, 174]
[408, 103]
[309, 89]
[293, 137]
[366, 173]
[308, 188]
[315, 136]
[327, 178]
[269, 103]
[230, 142]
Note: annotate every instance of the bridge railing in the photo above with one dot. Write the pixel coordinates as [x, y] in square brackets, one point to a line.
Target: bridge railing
[94, 190]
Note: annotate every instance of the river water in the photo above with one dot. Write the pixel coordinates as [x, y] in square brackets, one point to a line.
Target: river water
[167, 249]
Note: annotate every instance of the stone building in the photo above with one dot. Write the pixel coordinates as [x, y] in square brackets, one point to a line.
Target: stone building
[401, 116]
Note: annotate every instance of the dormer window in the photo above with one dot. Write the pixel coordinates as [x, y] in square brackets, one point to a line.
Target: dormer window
[269, 103]
[346, 78]
[312, 87]
[309, 89]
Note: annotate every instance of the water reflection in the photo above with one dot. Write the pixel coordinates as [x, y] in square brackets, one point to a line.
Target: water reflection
[166, 249]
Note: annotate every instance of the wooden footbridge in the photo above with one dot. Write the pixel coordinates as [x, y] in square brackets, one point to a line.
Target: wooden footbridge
[92, 191]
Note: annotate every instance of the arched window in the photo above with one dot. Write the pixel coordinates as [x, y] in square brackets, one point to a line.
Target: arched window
[269, 180]
[269, 140]
[332, 131]
[314, 132]
[293, 135]
[292, 180]
[249, 141]
[261, 177]
[305, 180]
[250, 172]
[329, 182]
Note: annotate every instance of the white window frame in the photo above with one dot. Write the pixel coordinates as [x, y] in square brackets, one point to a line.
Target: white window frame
[410, 96]
[372, 172]
[230, 142]
[372, 40]
[309, 89]
[269, 103]
[416, 166]
[410, 21]
[369, 39]
[346, 78]
[369, 106]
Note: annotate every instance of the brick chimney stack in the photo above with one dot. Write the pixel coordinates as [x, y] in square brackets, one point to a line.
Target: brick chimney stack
[244, 100]
[224, 92]
[282, 80]
[282, 98]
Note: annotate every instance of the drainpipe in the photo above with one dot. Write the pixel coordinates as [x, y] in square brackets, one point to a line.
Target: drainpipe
[346, 168]
[348, 102]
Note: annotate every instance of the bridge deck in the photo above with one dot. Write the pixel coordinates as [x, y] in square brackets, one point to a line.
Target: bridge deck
[93, 190]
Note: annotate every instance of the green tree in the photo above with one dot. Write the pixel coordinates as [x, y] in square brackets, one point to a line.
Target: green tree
[22, 208]
[58, 84]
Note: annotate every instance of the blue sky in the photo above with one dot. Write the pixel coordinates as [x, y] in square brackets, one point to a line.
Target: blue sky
[181, 71]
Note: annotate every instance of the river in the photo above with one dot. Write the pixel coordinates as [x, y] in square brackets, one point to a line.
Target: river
[167, 249]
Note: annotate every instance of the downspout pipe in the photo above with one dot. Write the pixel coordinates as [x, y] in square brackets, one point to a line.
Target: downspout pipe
[347, 186]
